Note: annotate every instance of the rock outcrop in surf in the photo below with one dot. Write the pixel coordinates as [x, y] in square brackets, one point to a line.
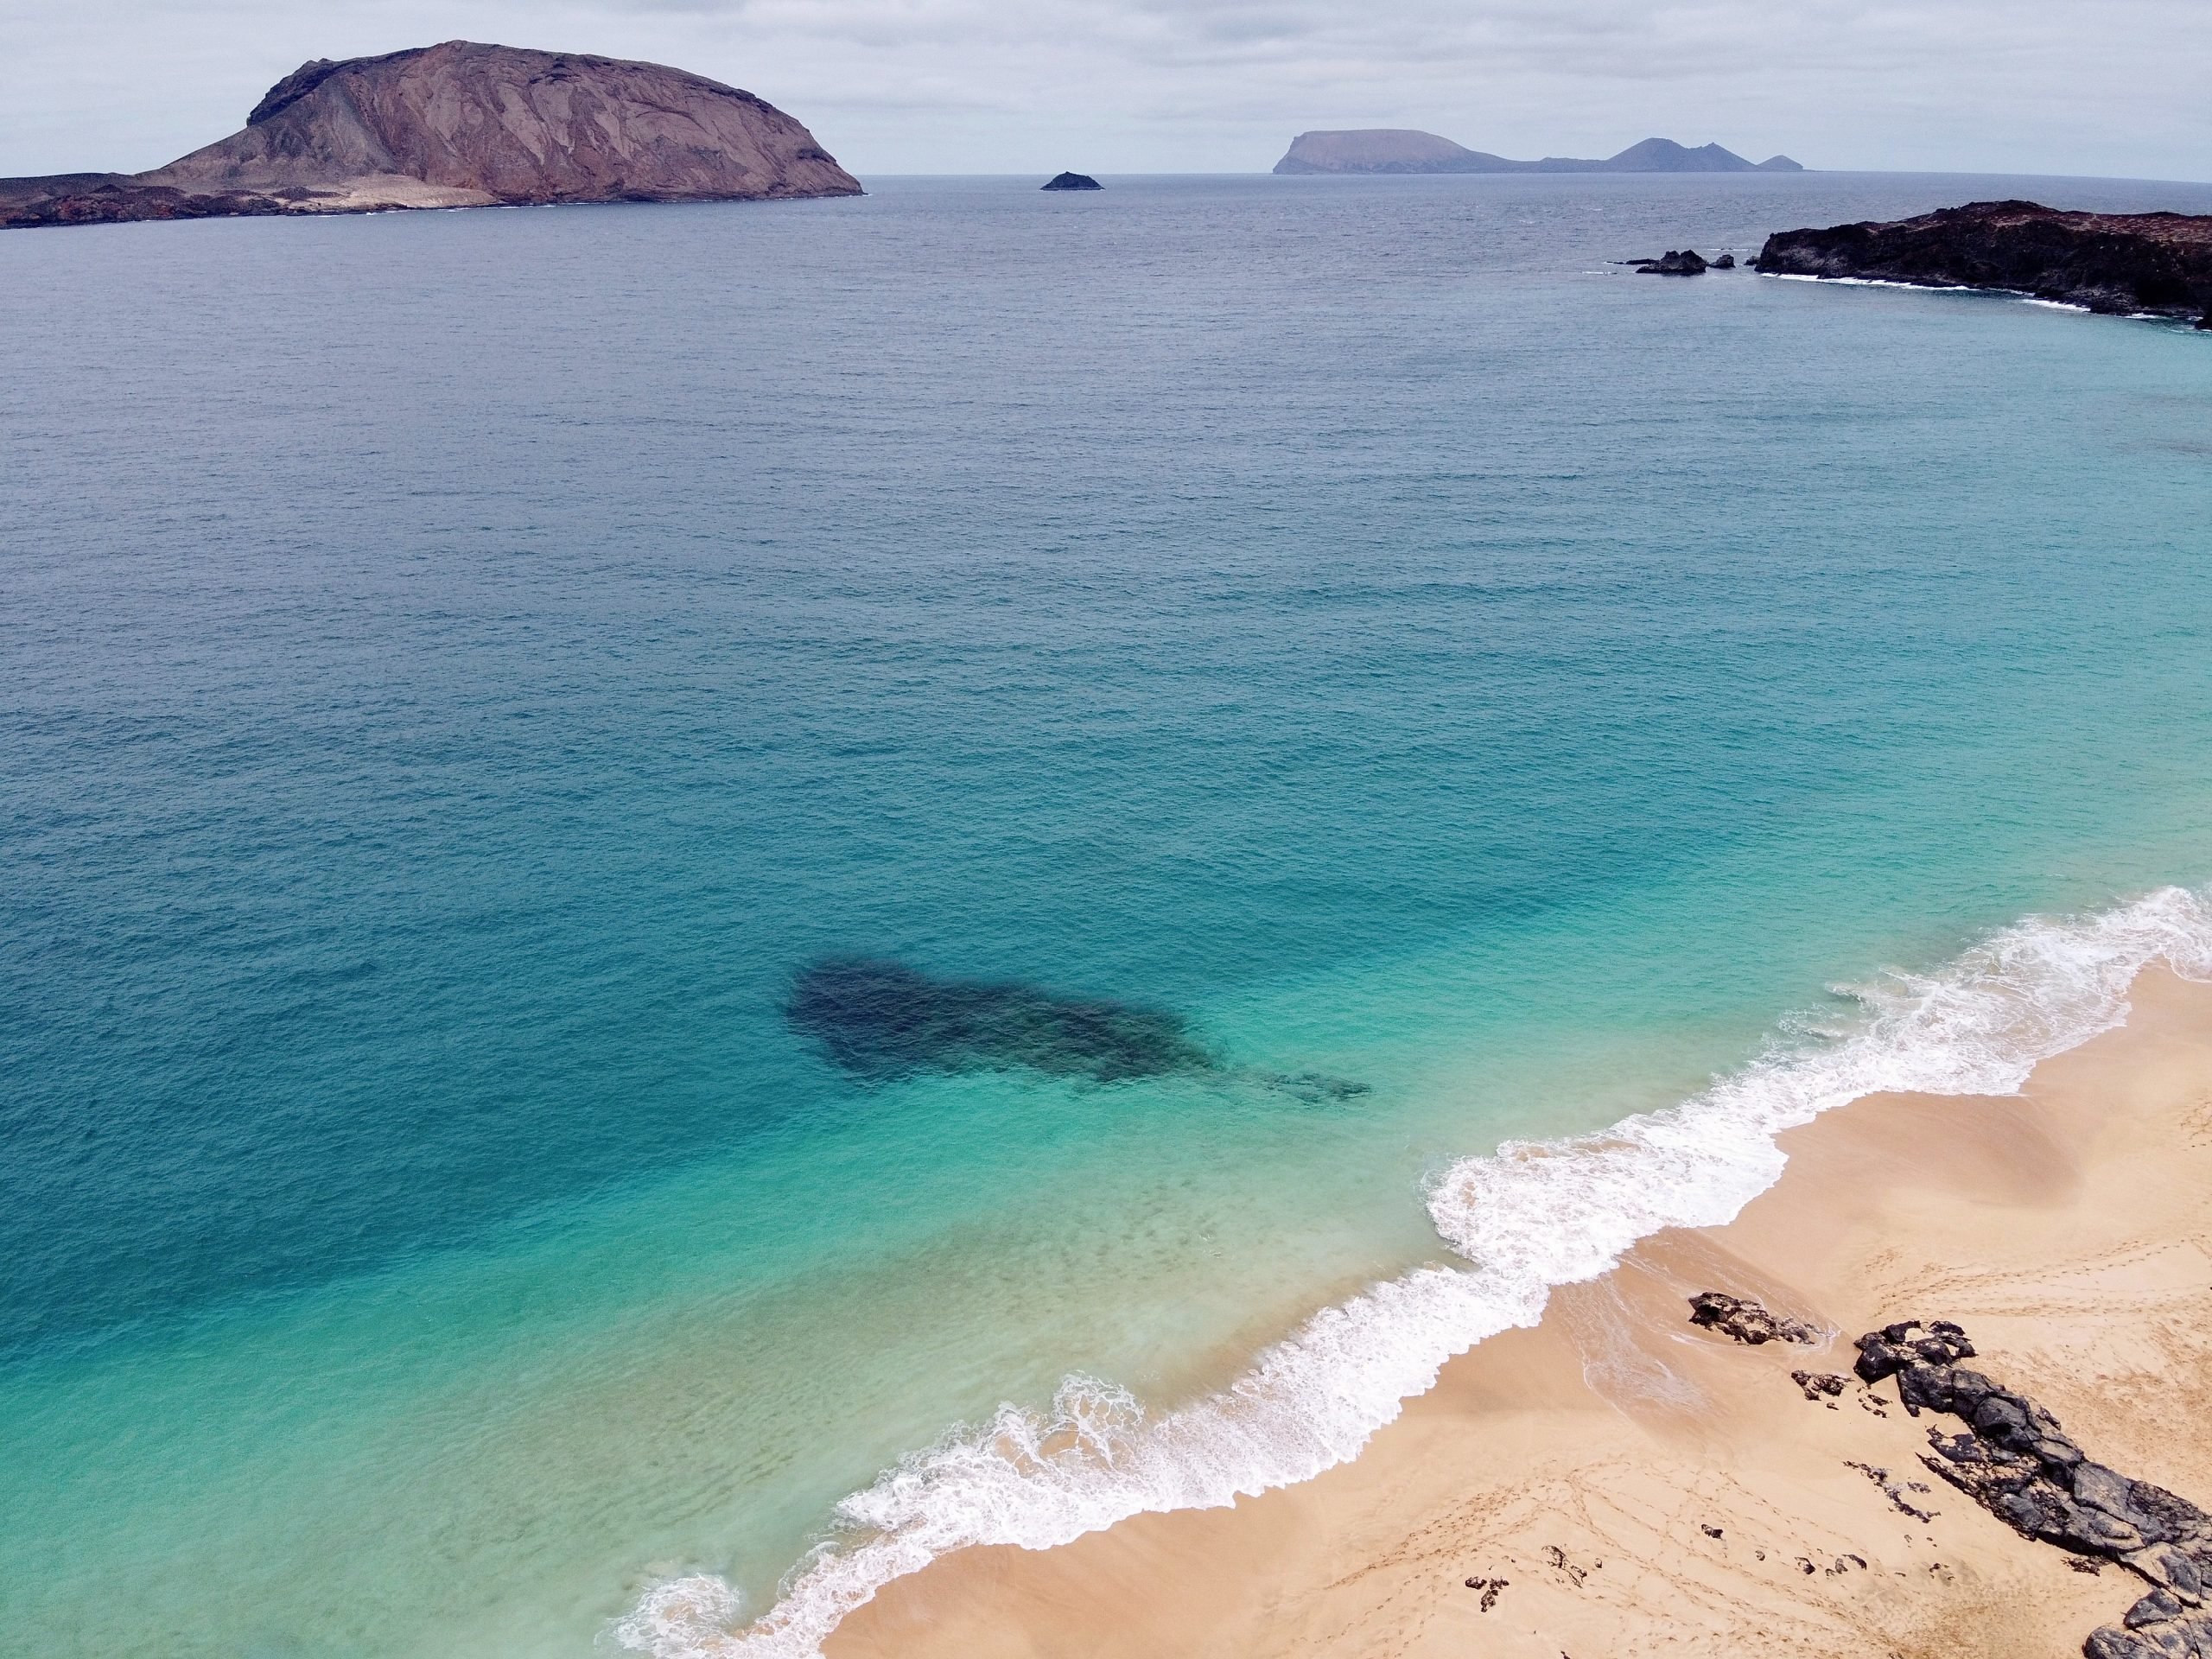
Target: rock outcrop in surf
[1404, 149]
[462, 125]
[2159, 264]
[1675, 261]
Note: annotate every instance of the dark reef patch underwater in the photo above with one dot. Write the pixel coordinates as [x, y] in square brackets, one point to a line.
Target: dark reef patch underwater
[882, 1020]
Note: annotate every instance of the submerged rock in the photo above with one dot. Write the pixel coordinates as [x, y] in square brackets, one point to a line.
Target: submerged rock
[883, 1019]
[1311, 1086]
[462, 125]
[1683, 261]
[1073, 181]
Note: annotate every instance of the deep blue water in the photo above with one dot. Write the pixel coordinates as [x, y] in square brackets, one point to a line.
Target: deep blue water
[459, 668]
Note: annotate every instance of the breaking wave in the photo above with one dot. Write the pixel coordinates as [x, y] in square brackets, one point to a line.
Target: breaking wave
[1532, 1214]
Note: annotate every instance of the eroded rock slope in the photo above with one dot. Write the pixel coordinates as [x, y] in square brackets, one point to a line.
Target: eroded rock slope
[463, 125]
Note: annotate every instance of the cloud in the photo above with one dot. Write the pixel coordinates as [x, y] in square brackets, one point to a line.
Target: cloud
[925, 86]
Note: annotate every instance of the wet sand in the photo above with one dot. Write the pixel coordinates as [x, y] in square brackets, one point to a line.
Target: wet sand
[1621, 1482]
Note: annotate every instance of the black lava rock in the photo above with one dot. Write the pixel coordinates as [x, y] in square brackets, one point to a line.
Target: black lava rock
[2124, 262]
[1746, 1321]
[1682, 262]
[2019, 1463]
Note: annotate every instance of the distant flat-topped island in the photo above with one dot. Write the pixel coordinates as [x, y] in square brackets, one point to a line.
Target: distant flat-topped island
[462, 125]
[2154, 265]
[1403, 149]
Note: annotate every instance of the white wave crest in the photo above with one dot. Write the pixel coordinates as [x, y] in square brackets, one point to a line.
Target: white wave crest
[1529, 1216]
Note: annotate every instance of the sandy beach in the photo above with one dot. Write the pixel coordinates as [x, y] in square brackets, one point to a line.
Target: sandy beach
[1616, 1481]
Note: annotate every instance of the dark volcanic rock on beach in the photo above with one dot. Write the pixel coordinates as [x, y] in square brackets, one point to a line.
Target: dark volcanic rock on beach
[463, 125]
[1073, 181]
[2159, 264]
[1745, 1320]
[2017, 1462]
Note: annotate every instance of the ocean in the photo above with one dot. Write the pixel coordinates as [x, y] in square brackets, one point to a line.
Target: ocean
[701, 900]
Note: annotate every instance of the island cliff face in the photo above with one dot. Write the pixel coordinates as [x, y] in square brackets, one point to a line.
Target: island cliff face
[463, 125]
[2159, 264]
[1403, 149]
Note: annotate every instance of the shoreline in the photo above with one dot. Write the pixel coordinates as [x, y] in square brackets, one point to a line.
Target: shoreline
[2065, 1226]
[2022, 295]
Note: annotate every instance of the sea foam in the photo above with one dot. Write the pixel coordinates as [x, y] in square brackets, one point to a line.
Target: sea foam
[1531, 1216]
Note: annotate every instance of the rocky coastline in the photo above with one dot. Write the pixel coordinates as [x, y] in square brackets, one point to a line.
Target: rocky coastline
[461, 124]
[2016, 1461]
[2155, 265]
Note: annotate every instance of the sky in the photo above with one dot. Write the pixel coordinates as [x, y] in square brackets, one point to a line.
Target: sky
[2117, 89]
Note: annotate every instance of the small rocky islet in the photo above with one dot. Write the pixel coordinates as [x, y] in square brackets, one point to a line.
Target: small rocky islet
[1682, 262]
[462, 124]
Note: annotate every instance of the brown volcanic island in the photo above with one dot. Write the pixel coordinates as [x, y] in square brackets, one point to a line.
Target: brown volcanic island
[2159, 264]
[462, 125]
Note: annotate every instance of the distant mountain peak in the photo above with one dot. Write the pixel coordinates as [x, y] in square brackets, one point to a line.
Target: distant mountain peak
[1384, 150]
[1407, 150]
[1665, 155]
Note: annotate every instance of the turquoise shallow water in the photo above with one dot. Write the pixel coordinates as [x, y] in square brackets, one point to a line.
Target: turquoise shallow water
[460, 668]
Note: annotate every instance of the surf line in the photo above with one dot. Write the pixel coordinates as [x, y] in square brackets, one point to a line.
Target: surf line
[1531, 1216]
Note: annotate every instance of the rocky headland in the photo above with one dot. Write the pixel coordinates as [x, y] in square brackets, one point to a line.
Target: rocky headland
[1397, 149]
[462, 125]
[2129, 264]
